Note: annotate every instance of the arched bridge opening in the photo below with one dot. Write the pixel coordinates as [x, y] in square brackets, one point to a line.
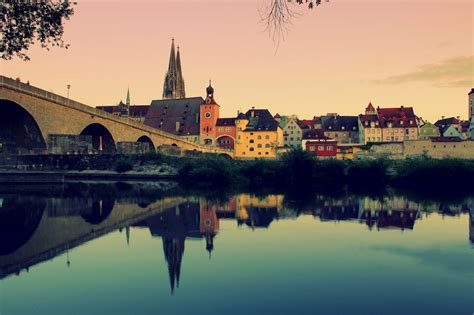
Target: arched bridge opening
[145, 139]
[19, 132]
[102, 140]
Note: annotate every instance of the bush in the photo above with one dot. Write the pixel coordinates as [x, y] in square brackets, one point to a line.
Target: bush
[123, 166]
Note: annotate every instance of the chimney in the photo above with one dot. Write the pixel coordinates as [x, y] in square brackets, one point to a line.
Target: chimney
[177, 126]
[252, 113]
[197, 118]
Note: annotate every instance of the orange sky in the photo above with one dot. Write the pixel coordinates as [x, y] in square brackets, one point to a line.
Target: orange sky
[336, 58]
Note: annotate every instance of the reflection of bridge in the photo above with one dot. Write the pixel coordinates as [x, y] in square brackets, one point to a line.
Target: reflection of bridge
[54, 232]
[29, 115]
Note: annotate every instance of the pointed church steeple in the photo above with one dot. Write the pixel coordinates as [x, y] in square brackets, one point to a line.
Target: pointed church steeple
[173, 86]
[128, 97]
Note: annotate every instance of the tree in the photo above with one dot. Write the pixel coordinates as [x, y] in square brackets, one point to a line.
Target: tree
[279, 14]
[23, 21]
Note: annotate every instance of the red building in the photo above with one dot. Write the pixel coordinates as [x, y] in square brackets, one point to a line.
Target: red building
[226, 133]
[209, 113]
[322, 148]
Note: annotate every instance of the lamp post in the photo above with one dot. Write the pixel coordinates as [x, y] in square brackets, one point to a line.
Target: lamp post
[68, 88]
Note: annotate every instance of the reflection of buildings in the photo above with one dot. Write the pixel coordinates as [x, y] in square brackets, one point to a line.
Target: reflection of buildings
[257, 211]
[394, 213]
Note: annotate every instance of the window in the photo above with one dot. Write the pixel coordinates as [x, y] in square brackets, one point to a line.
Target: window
[291, 139]
[266, 153]
[251, 149]
[259, 137]
[259, 145]
[251, 141]
[267, 145]
[259, 153]
[311, 148]
[330, 147]
[267, 137]
[320, 148]
[221, 129]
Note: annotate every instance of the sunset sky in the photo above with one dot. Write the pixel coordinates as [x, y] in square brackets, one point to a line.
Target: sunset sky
[335, 58]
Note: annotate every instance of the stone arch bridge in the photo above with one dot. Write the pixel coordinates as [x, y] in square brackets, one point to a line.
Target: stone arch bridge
[30, 115]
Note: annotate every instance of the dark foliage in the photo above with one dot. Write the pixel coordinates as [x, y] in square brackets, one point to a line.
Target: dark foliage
[21, 22]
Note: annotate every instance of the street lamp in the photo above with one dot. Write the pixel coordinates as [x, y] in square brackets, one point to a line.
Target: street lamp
[68, 88]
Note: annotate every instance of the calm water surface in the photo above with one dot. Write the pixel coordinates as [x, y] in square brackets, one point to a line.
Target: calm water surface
[152, 249]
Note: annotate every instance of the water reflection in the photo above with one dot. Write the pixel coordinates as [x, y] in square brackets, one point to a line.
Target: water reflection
[34, 227]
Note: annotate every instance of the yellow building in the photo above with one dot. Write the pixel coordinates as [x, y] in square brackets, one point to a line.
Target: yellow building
[258, 135]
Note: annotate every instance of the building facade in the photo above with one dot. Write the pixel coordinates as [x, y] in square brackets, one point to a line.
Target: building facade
[428, 131]
[292, 132]
[398, 124]
[471, 114]
[369, 126]
[343, 129]
[209, 114]
[258, 135]
[226, 132]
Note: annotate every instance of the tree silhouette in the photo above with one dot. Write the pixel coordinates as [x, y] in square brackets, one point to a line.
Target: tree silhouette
[23, 21]
[278, 16]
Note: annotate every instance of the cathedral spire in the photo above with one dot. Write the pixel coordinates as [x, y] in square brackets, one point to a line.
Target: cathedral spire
[173, 86]
[172, 63]
[128, 97]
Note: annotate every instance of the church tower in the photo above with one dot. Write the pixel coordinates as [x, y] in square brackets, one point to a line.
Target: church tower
[209, 113]
[173, 87]
[471, 114]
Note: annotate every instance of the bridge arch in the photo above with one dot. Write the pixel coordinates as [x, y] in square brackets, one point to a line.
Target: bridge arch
[99, 211]
[19, 131]
[102, 139]
[146, 139]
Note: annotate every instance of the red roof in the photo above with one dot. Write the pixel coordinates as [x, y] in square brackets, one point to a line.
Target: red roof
[400, 117]
[370, 108]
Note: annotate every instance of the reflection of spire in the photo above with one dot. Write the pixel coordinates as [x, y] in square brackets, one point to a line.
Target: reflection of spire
[127, 234]
[210, 243]
[174, 250]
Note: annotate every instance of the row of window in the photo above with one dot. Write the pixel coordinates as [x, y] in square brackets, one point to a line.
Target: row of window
[321, 148]
[291, 138]
[222, 129]
[260, 146]
[259, 153]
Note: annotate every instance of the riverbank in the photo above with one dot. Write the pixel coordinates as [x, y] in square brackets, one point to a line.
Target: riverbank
[296, 172]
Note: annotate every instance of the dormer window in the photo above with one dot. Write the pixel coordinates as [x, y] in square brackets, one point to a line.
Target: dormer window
[343, 128]
[401, 122]
[366, 123]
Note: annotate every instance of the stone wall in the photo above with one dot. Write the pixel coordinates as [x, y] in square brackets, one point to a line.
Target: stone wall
[133, 147]
[386, 150]
[461, 149]
[69, 144]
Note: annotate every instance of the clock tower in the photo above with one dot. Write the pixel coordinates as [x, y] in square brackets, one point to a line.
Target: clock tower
[209, 113]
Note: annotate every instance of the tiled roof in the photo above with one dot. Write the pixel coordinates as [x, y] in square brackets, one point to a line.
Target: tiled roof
[369, 119]
[315, 134]
[163, 114]
[399, 117]
[135, 110]
[447, 121]
[225, 122]
[446, 139]
[260, 120]
[340, 123]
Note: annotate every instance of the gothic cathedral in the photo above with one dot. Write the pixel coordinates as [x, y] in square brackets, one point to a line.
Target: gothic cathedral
[173, 87]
